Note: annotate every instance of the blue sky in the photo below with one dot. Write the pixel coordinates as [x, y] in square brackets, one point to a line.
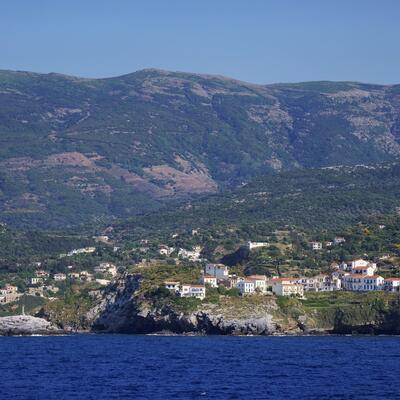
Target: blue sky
[257, 41]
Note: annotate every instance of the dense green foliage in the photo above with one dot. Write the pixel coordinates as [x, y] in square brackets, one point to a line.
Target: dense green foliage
[313, 200]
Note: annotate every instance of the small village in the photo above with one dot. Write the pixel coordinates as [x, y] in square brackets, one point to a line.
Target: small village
[356, 276]
[359, 275]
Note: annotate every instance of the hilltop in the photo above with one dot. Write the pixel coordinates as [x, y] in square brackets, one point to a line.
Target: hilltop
[80, 150]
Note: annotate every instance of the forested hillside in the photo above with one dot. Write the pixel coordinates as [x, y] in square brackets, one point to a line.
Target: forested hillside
[84, 150]
[314, 200]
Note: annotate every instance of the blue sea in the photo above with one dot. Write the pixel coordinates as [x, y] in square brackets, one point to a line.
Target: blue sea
[213, 367]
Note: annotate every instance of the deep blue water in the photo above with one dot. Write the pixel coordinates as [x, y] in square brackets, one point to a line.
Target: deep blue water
[153, 367]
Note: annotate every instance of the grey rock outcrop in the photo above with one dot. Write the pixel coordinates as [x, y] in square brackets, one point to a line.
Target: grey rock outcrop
[27, 325]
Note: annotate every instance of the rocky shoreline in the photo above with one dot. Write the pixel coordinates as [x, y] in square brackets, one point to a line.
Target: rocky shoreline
[26, 325]
[122, 308]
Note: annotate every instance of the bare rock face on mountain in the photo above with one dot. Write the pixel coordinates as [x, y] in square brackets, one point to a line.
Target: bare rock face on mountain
[75, 150]
[26, 325]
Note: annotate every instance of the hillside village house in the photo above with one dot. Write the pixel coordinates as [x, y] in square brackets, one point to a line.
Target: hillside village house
[392, 284]
[260, 282]
[362, 283]
[362, 263]
[165, 250]
[84, 250]
[286, 287]
[219, 271]
[209, 279]
[186, 289]
[59, 277]
[319, 283]
[35, 280]
[8, 294]
[316, 245]
[190, 290]
[246, 286]
[256, 245]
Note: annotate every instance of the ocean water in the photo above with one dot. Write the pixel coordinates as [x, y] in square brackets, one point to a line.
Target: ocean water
[217, 367]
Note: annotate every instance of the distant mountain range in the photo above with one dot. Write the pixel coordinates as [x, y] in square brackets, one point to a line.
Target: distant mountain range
[79, 150]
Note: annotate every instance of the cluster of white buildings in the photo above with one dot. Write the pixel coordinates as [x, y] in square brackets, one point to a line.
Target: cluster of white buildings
[83, 250]
[315, 245]
[361, 276]
[358, 275]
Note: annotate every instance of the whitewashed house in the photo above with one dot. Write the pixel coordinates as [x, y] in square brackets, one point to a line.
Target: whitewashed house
[286, 287]
[190, 290]
[165, 250]
[392, 284]
[316, 245]
[36, 280]
[256, 245]
[246, 286]
[363, 267]
[260, 282]
[209, 279]
[60, 277]
[362, 283]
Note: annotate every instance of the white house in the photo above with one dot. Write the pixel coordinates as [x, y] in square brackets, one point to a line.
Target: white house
[246, 286]
[362, 283]
[190, 290]
[392, 284]
[286, 287]
[60, 277]
[256, 245]
[220, 271]
[165, 250]
[260, 282]
[84, 250]
[209, 279]
[363, 267]
[36, 280]
[316, 245]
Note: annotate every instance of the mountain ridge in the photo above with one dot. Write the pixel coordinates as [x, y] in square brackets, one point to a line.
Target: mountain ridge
[114, 147]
